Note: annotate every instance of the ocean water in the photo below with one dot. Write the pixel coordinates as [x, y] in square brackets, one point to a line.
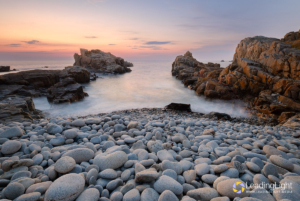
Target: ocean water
[149, 85]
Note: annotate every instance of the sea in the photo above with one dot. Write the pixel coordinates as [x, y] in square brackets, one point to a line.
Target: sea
[149, 85]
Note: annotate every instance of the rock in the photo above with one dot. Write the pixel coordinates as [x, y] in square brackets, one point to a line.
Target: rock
[108, 174]
[154, 146]
[4, 68]
[281, 162]
[146, 176]
[29, 197]
[167, 183]
[39, 187]
[78, 123]
[113, 160]
[270, 169]
[261, 193]
[90, 194]
[53, 129]
[189, 176]
[203, 194]
[132, 195]
[149, 194]
[132, 124]
[229, 186]
[67, 90]
[70, 134]
[202, 169]
[80, 154]
[10, 147]
[167, 195]
[12, 132]
[67, 187]
[14, 190]
[165, 155]
[64, 164]
[80, 74]
[101, 62]
[179, 107]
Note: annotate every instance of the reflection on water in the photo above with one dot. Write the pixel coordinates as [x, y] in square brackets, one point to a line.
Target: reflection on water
[149, 85]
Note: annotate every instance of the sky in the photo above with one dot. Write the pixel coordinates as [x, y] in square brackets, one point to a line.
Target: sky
[139, 30]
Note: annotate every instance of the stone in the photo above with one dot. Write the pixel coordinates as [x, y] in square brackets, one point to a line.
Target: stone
[202, 169]
[14, 190]
[29, 197]
[262, 194]
[167, 195]
[203, 194]
[53, 129]
[253, 167]
[149, 194]
[231, 173]
[132, 195]
[12, 132]
[189, 175]
[281, 162]
[113, 160]
[167, 183]
[39, 187]
[64, 164]
[10, 147]
[146, 176]
[80, 154]
[90, 194]
[78, 123]
[270, 169]
[165, 155]
[70, 134]
[220, 168]
[132, 124]
[108, 174]
[154, 146]
[225, 188]
[67, 187]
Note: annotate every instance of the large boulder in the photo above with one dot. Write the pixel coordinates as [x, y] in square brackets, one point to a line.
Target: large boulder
[67, 90]
[80, 74]
[4, 68]
[99, 61]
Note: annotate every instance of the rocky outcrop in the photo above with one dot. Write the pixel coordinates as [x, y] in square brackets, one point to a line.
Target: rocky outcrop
[101, 62]
[17, 90]
[67, 90]
[4, 68]
[265, 72]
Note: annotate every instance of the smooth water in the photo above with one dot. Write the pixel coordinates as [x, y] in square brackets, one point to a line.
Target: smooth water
[149, 85]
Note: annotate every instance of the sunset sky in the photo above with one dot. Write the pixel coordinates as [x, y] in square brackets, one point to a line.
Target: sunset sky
[139, 29]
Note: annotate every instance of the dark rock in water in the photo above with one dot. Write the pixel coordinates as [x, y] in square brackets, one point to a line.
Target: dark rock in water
[4, 68]
[101, 62]
[179, 106]
[218, 115]
[67, 90]
[222, 61]
[80, 74]
[17, 108]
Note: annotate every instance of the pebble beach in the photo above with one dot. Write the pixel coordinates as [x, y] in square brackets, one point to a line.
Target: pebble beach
[148, 154]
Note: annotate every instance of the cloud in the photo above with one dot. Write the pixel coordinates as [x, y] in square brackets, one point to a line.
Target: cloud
[157, 42]
[111, 44]
[133, 39]
[91, 37]
[153, 47]
[13, 45]
[31, 42]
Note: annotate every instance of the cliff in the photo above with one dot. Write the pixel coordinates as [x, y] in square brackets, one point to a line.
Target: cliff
[265, 72]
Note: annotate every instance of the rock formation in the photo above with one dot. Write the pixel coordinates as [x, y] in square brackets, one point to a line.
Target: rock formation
[265, 72]
[4, 68]
[101, 62]
[17, 90]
